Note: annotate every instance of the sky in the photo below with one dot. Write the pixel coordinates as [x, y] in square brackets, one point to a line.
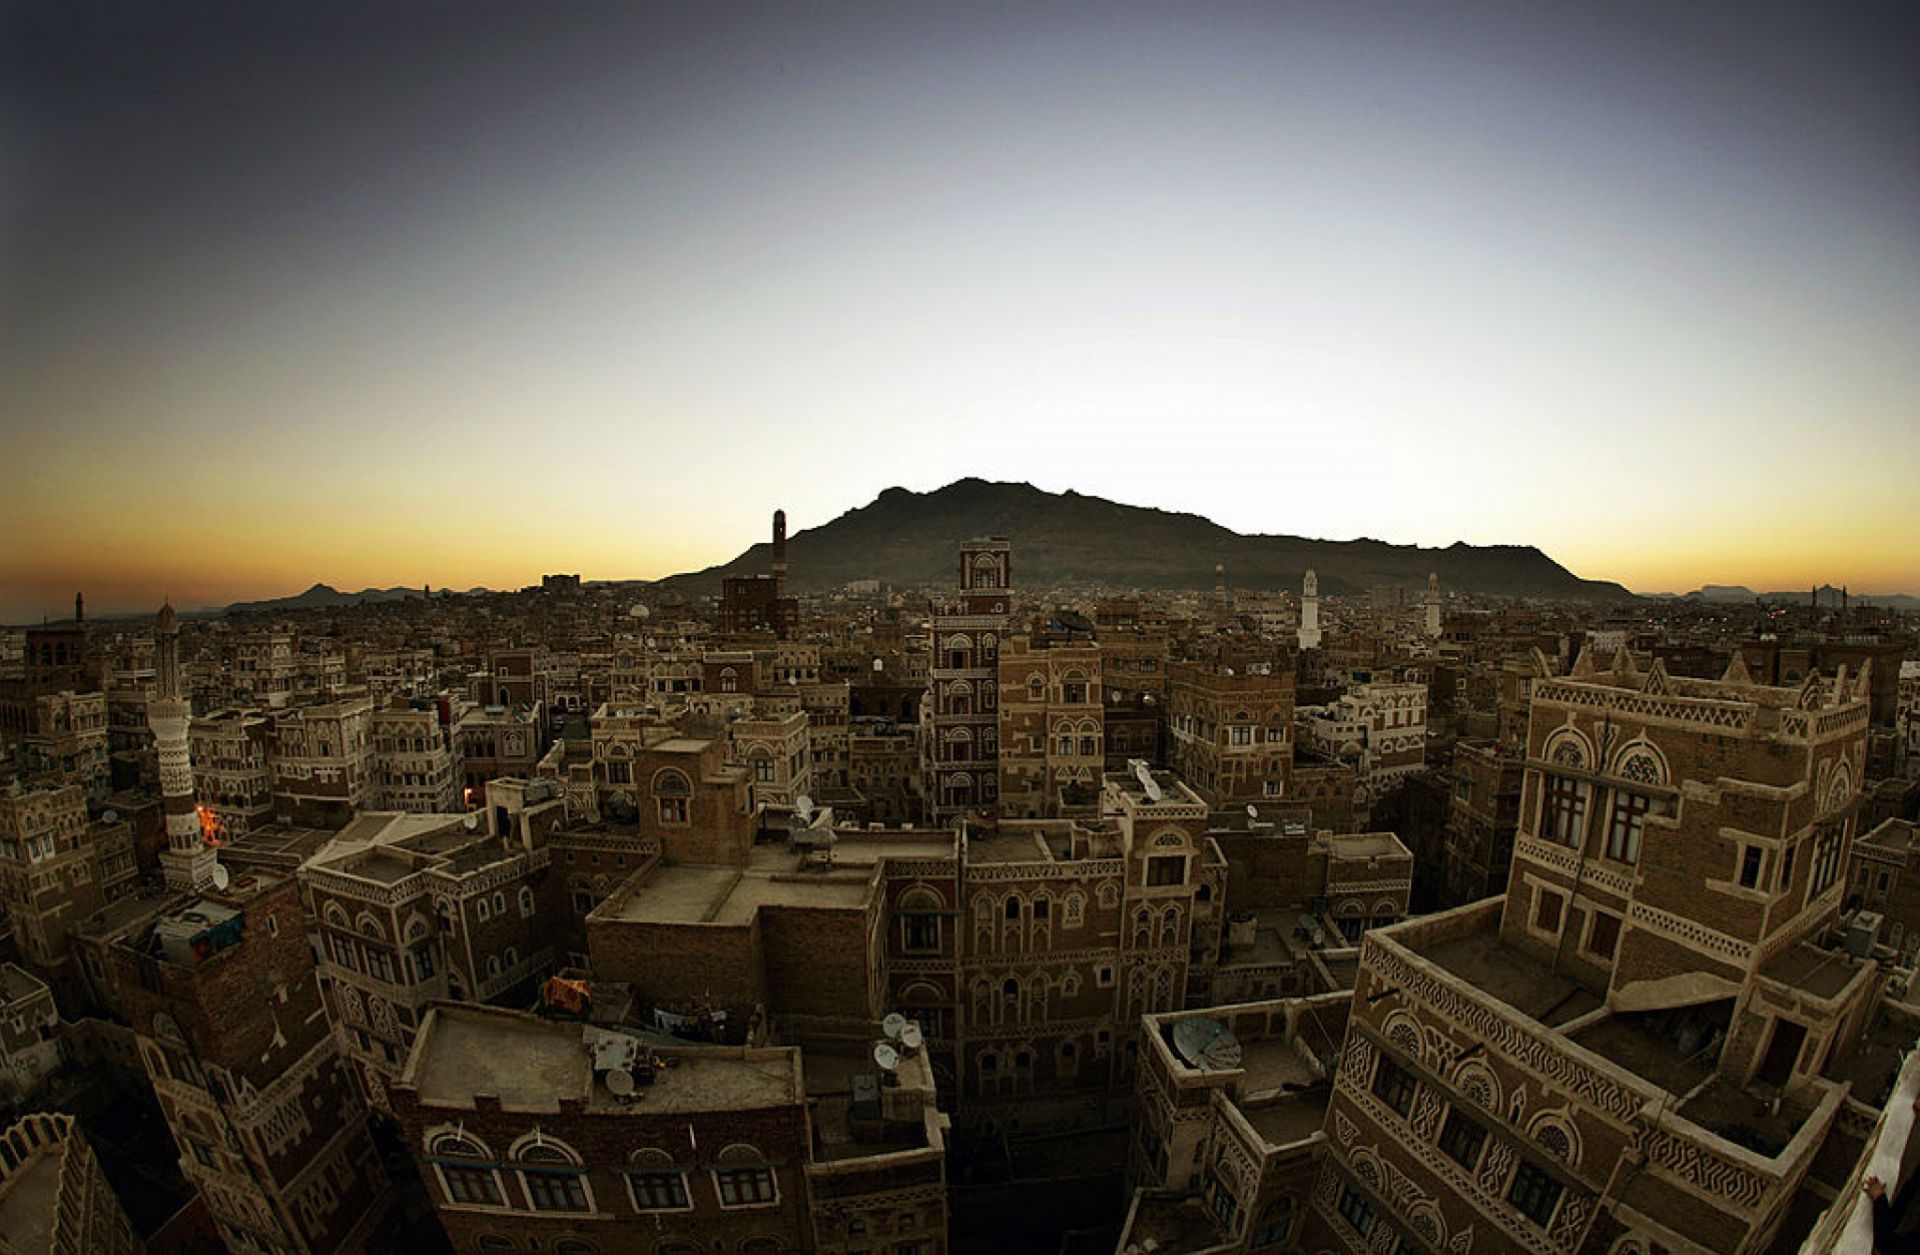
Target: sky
[460, 294]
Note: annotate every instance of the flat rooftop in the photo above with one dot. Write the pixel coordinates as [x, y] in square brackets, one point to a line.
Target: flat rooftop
[1516, 978]
[699, 894]
[1367, 845]
[1811, 970]
[1291, 1118]
[531, 1064]
[28, 1201]
[17, 983]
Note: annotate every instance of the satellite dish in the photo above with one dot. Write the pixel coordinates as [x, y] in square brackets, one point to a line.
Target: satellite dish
[910, 1037]
[473, 821]
[894, 1024]
[220, 876]
[1202, 1042]
[1253, 812]
[886, 1056]
[1144, 774]
[620, 1083]
[802, 808]
[110, 817]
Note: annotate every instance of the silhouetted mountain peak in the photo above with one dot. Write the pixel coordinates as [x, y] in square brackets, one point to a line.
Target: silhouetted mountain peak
[908, 539]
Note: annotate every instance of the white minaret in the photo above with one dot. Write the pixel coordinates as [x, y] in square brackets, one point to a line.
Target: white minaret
[188, 860]
[1310, 612]
[1433, 606]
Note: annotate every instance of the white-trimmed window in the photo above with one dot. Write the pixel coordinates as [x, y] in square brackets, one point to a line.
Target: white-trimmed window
[656, 1183]
[467, 1175]
[554, 1179]
[743, 1178]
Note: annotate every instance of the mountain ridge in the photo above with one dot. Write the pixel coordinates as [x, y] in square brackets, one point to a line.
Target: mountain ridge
[910, 539]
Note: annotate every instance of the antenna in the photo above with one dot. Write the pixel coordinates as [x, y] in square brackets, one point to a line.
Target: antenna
[220, 877]
[894, 1024]
[886, 1056]
[620, 1083]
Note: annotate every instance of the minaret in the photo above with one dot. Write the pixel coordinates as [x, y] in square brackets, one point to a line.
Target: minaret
[1220, 586]
[1310, 612]
[779, 552]
[79, 610]
[1433, 606]
[188, 860]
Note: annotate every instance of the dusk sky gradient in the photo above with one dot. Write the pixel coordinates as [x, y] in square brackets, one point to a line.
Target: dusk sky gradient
[464, 293]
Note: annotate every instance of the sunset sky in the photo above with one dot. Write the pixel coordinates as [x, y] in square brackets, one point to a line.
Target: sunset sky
[475, 292]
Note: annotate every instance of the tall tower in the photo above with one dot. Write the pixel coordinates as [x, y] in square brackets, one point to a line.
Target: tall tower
[188, 861]
[967, 631]
[779, 552]
[1310, 612]
[1433, 606]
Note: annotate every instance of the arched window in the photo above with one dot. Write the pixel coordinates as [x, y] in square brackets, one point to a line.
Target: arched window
[656, 1183]
[466, 1171]
[552, 1175]
[743, 1178]
[526, 902]
[672, 792]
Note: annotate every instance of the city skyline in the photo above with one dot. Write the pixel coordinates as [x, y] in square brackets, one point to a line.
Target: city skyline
[592, 291]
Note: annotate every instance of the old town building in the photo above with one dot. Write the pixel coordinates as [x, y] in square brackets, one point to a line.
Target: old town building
[415, 766]
[1644, 1042]
[1377, 728]
[1232, 732]
[232, 771]
[323, 768]
[410, 908]
[1052, 727]
[54, 1197]
[221, 992]
[966, 633]
[581, 1139]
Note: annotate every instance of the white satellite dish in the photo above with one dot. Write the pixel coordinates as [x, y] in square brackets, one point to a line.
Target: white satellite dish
[1253, 812]
[620, 1083]
[473, 821]
[911, 1038]
[803, 808]
[894, 1024]
[886, 1056]
[220, 876]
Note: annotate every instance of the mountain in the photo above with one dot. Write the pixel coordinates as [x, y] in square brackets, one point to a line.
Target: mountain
[909, 539]
[323, 597]
[1828, 595]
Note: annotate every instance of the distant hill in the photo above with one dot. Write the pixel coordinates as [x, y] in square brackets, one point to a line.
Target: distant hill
[908, 539]
[1828, 595]
[324, 597]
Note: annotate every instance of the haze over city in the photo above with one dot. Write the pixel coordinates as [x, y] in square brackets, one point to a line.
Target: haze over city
[459, 294]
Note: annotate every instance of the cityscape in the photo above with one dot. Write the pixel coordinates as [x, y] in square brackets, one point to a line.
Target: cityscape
[1344, 675]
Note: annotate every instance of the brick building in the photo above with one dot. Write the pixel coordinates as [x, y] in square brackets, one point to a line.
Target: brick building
[1643, 1042]
[966, 632]
[221, 991]
[1052, 727]
[579, 1139]
[1231, 732]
